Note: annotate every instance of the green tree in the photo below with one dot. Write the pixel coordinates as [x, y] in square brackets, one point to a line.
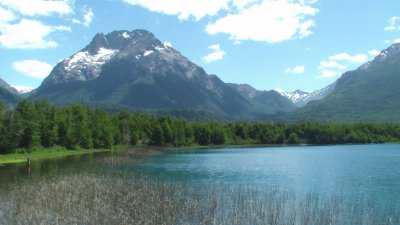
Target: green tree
[157, 135]
[11, 131]
[26, 113]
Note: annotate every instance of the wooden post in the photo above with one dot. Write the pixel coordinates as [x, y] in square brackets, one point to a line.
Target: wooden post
[29, 164]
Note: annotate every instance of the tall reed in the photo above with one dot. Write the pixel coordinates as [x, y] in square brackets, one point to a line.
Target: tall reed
[112, 199]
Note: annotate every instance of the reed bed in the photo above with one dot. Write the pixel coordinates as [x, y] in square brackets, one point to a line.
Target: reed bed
[112, 199]
[133, 155]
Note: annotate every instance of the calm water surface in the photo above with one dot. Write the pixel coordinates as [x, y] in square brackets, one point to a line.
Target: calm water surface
[371, 171]
[351, 171]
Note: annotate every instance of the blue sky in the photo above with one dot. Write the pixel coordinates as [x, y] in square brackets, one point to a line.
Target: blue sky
[269, 44]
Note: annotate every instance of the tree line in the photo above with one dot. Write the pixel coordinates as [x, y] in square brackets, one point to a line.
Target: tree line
[38, 124]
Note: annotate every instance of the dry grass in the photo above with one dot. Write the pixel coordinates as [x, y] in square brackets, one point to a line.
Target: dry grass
[92, 199]
[133, 155]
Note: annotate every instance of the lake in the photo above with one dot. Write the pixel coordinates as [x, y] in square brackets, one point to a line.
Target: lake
[371, 171]
[352, 172]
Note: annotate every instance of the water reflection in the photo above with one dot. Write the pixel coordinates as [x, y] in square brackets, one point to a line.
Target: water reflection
[12, 173]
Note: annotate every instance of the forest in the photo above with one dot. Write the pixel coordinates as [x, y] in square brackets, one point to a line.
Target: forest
[38, 124]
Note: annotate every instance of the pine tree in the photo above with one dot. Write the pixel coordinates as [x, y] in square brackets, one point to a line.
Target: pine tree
[26, 113]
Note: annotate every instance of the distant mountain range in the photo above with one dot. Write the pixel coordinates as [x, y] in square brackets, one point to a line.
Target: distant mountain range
[8, 94]
[135, 70]
[23, 89]
[369, 93]
[301, 98]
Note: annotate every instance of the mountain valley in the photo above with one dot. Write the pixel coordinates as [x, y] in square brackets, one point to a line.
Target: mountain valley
[136, 71]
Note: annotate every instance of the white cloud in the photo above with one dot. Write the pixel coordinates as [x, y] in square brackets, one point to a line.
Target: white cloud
[329, 73]
[393, 24]
[332, 65]
[215, 55]
[20, 31]
[307, 1]
[280, 90]
[63, 28]
[39, 7]
[33, 68]
[268, 21]
[28, 34]
[359, 58]
[332, 68]
[295, 70]
[87, 18]
[184, 9]
[242, 3]
[374, 52]
[390, 42]
[6, 15]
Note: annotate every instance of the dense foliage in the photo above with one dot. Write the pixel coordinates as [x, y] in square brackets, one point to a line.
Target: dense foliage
[38, 124]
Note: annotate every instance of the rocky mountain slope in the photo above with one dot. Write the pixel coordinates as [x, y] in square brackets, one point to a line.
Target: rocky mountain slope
[8, 95]
[369, 93]
[136, 70]
[301, 98]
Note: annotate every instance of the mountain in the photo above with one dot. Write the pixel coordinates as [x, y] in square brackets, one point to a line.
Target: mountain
[8, 95]
[136, 70]
[369, 93]
[23, 89]
[273, 99]
[301, 98]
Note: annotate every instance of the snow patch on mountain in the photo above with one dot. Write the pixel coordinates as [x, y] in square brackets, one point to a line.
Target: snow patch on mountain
[386, 54]
[126, 35]
[147, 52]
[158, 48]
[22, 89]
[297, 96]
[84, 65]
[301, 98]
[85, 57]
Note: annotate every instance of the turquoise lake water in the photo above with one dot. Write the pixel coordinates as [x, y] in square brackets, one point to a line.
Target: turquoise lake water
[369, 172]
[350, 171]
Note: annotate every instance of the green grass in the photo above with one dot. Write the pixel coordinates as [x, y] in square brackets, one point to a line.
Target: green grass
[21, 156]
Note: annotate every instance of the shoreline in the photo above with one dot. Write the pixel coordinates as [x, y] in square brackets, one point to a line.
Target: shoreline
[43, 154]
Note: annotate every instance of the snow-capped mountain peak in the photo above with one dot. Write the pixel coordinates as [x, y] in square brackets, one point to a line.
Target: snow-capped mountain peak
[22, 89]
[385, 55]
[300, 98]
[84, 58]
[82, 66]
[296, 96]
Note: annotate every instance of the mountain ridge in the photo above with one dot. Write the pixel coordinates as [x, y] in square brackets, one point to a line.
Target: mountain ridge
[135, 69]
[301, 98]
[371, 93]
[8, 94]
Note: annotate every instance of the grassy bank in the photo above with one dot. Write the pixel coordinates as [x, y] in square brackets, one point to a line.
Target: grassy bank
[135, 153]
[106, 199]
[48, 153]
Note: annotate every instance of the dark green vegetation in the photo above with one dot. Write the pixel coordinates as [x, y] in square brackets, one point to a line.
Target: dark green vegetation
[112, 199]
[38, 124]
[370, 93]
